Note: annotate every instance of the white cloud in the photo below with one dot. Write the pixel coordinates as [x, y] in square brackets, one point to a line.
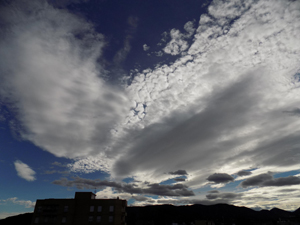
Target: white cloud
[177, 43]
[24, 171]
[26, 203]
[189, 28]
[269, 197]
[146, 47]
[108, 192]
[159, 53]
[55, 82]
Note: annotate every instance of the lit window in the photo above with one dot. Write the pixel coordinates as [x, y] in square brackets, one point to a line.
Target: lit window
[64, 220]
[66, 208]
[36, 220]
[91, 208]
[91, 219]
[99, 208]
[98, 219]
[110, 219]
[111, 208]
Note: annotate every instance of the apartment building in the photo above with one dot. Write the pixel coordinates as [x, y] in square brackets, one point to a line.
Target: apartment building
[83, 209]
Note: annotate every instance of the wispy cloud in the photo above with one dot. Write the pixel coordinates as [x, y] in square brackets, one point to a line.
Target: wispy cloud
[122, 53]
[15, 200]
[24, 171]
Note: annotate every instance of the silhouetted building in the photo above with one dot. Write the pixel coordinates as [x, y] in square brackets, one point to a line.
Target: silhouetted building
[83, 209]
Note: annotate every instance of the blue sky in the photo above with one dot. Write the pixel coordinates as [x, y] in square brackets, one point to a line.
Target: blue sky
[157, 102]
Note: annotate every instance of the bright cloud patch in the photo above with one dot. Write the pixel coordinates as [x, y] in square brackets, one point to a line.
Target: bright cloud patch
[15, 200]
[177, 44]
[146, 47]
[24, 171]
[49, 70]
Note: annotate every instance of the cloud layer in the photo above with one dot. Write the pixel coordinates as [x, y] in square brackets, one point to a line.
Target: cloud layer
[268, 180]
[151, 189]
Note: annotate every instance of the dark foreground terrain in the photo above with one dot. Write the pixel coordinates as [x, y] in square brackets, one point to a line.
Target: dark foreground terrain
[193, 215]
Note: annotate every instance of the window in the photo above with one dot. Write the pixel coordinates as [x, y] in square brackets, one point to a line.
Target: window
[91, 208]
[110, 219]
[40, 209]
[36, 220]
[64, 220]
[99, 208]
[98, 219]
[91, 219]
[66, 208]
[111, 208]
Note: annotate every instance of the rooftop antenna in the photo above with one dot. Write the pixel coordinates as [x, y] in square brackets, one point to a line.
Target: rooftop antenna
[95, 191]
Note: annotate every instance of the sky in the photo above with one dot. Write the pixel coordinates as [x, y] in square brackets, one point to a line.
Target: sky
[157, 102]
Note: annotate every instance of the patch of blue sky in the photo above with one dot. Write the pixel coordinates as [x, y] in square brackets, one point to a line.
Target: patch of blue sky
[11, 207]
[168, 182]
[230, 187]
[130, 201]
[171, 181]
[286, 174]
[203, 190]
[297, 76]
[25, 151]
[128, 180]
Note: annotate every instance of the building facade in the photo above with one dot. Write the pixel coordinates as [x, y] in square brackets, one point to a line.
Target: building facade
[83, 209]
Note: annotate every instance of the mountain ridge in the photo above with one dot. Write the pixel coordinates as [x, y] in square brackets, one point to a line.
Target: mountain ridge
[188, 214]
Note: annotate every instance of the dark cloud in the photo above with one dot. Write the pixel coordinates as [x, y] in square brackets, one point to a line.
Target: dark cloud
[243, 173]
[211, 199]
[220, 178]
[82, 183]
[293, 112]
[140, 198]
[179, 179]
[213, 191]
[267, 179]
[223, 196]
[168, 190]
[153, 189]
[179, 172]
[58, 164]
[289, 190]
[56, 171]
[64, 3]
